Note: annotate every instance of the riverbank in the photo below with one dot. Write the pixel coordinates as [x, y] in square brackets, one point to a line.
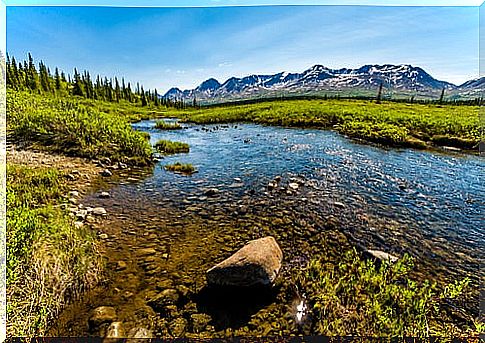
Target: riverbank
[52, 255]
[421, 126]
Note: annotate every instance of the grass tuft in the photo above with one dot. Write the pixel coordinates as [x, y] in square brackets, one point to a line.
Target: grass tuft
[163, 125]
[181, 168]
[170, 147]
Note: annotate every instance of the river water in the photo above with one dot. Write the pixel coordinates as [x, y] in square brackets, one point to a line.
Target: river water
[433, 201]
[426, 204]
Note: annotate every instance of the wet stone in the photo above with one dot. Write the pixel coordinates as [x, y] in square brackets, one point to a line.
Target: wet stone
[104, 195]
[115, 330]
[140, 333]
[101, 315]
[199, 321]
[166, 297]
[106, 173]
[99, 211]
[121, 265]
[146, 252]
[178, 327]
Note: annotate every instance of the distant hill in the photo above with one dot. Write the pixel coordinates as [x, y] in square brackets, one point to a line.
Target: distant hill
[397, 80]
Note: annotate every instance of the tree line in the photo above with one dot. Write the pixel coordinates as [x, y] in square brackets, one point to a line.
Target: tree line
[25, 75]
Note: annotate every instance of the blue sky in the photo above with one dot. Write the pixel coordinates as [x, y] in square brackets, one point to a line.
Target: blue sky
[165, 47]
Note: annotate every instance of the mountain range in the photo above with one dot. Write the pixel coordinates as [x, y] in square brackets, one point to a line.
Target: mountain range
[398, 81]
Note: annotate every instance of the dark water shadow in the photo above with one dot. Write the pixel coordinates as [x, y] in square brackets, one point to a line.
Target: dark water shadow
[232, 307]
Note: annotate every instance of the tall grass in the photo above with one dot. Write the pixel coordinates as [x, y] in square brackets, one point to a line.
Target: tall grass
[72, 127]
[49, 261]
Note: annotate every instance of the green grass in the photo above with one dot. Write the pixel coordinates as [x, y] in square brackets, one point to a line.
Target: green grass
[183, 168]
[78, 127]
[49, 260]
[163, 125]
[170, 147]
[389, 123]
[357, 297]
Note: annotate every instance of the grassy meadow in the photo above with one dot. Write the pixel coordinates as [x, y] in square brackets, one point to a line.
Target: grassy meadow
[388, 123]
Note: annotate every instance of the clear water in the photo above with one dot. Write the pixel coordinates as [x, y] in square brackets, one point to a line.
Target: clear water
[425, 203]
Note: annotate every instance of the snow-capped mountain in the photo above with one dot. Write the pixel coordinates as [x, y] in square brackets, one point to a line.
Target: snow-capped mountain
[405, 79]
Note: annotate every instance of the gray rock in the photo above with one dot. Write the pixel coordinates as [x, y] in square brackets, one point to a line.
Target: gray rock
[101, 315]
[73, 201]
[293, 185]
[255, 264]
[73, 194]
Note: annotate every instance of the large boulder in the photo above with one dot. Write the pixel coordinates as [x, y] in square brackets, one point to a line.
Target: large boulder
[255, 264]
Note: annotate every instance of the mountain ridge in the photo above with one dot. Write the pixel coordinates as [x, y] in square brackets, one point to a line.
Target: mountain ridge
[402, 79]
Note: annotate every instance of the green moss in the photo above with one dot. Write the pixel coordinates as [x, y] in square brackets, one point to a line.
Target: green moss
[170, 147]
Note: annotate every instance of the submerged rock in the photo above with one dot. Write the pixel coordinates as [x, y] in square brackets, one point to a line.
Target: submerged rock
[255, 264]
[115, 330]
[199, 321]
[101, 315]
[99, 211]
[138, 333]
[165, 298]
[211, 192]
[381, 255]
